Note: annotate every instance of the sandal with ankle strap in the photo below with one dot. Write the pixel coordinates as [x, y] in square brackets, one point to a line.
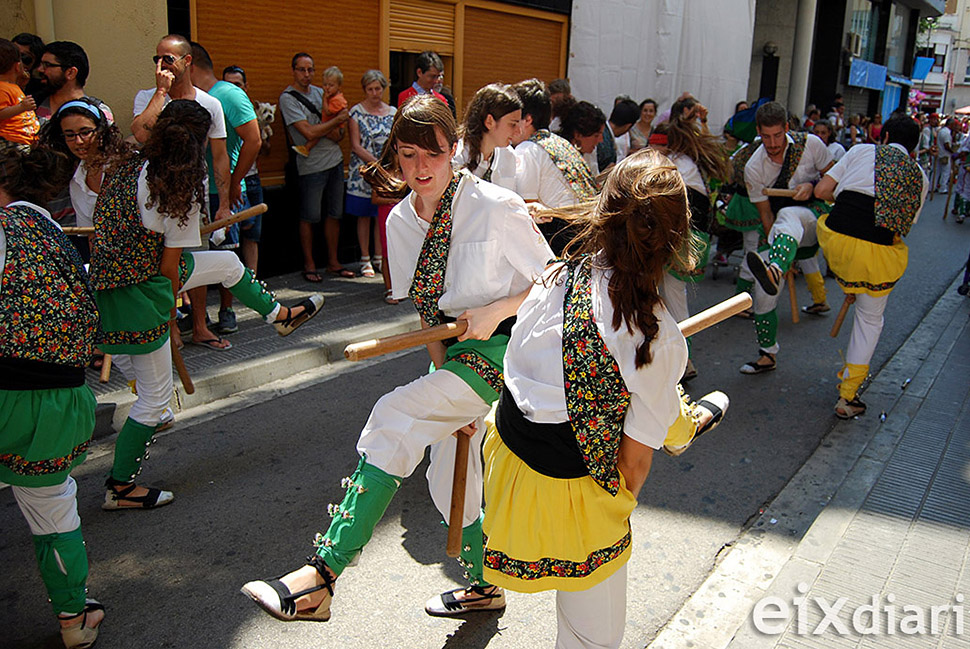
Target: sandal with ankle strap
[119, 491]
[848, 409]
[753, 367]
[81, 636]
[768, 276]
[311, 307]
[447, 605]
[276, 599]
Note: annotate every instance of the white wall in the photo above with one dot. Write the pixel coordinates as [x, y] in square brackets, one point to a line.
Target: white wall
[660, 48]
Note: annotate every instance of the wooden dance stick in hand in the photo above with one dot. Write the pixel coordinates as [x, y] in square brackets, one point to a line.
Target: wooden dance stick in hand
[247, 213]
[181, 369]
[783, 193]
[849, 299]
[792, 298]
[456, 514]
[105, 368]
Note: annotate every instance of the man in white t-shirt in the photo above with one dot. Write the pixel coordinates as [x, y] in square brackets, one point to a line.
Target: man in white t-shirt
[173, 56]
[946, 146]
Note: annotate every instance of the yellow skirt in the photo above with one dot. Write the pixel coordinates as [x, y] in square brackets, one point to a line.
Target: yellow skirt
[547, 533]
[862, 266]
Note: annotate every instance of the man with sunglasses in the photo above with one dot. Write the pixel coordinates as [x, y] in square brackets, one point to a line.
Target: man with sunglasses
[63, 71]
[173, 80]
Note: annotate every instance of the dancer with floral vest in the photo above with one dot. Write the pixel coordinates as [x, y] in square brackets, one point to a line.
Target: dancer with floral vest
[48, 325]
[147, 211]
[791, 161]
[460, 248]
[591, 390]
[878, 191]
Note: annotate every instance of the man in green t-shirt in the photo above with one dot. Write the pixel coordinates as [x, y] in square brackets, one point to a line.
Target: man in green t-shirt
[242, 143]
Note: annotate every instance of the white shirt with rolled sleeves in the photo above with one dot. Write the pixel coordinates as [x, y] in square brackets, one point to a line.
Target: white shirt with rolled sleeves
[689, 172]
[761, 171]
[503, 165]
[496, 250]
[217, 129]
[856, 172]
[539, 179]
[177, 235]
[534, 370]
[82, 198]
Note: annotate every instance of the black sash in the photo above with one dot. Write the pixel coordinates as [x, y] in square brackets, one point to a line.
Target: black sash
[549, 449]
[854, 215]
[26, 374]
[700, 210]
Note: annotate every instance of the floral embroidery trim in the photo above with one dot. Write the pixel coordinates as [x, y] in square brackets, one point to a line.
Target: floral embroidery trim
[596, 395]
[883, 286]
[428, 283]
[494, 378]
[793, 155]
[569, 162]
[898, 189]
[21, 466]
[740, 159]
[551, 567]
[49, 313]
[135, 337]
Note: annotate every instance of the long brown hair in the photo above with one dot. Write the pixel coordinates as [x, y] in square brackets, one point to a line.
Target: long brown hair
[35, 175]
[495, 99]
[704, 149]
[111, 146]
[639, 226]
[417, 123]
[176, 155]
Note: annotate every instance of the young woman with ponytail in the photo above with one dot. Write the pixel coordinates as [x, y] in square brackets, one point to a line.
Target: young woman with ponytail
[591, 389]
[491, 121]
[48, 325]
[147, 211]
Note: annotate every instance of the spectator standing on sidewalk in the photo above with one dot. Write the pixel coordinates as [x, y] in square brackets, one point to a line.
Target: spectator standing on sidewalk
[242, 145]
[321, 172]
[250, 230]
[428, 67]
[173, 80]
[31, 47]
[18, 123]
[369, 126]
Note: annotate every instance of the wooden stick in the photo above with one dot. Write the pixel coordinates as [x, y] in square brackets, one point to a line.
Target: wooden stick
[792, 298]
[932, 173]
[784, 193]
[247, 213]
[380, 346]
[105, 369]
[181, 369]
[456, 515]
[849, 299]
[949, 191]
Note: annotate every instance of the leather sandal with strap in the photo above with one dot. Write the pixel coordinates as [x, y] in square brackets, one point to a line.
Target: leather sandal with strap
[289, 324]
[276, 599]
[754, 367]
[715, 403]
[769, 276]
[119, 493]
[80, 635]
[475, 599]
[848, 409]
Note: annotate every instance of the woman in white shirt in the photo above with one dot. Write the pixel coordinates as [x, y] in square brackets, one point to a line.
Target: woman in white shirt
[491, 120]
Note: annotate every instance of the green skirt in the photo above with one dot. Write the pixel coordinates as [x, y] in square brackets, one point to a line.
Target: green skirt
[44, 434]
[741, 214]
[135, 318]
[697, 273]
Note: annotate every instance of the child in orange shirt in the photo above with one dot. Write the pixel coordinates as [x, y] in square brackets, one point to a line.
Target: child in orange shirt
[333, 102]
[18, 122]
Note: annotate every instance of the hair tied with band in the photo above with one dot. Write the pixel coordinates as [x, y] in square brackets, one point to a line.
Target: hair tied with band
[77, 103]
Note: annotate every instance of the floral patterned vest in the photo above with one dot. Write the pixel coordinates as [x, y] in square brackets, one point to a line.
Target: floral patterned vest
[47, 310]
[596, 394]
[125, 251]
[569, 162]
[898, 189]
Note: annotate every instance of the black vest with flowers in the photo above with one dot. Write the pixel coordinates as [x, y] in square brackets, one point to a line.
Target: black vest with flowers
[48, 318]
[125, 251]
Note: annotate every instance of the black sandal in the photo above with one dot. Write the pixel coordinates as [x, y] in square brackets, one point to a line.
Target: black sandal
[81, 636]
[311, 306]
[753, 367]
[764, 273]
[118, 491]
[276, 599]
[447, 605]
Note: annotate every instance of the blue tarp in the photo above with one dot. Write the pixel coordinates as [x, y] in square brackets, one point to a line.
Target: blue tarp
[922, 66]
[867, 75]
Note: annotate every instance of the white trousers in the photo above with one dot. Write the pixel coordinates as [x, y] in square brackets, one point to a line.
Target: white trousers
[798, 223]
[942, 173]
[674, 293]
[593, 618]
[749, 243]
[866, 326]
[424, 413]
[153, 372]
[49, 510]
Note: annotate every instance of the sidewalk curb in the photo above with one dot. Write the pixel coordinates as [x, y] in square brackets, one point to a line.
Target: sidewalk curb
[325, 348]
[795, 534]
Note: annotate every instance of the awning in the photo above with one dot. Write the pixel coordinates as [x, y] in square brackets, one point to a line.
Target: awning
[900, 79]
[963, 111]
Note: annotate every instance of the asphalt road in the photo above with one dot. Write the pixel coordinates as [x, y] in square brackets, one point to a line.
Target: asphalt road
[252, 486]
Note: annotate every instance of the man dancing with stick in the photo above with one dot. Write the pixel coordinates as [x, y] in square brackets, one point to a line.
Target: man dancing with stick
[878, 191]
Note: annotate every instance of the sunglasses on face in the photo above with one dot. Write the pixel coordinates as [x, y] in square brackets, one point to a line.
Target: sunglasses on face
[27, 59]
[168, 59]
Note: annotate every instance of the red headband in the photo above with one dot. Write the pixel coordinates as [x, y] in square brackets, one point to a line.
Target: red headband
[658, 138]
